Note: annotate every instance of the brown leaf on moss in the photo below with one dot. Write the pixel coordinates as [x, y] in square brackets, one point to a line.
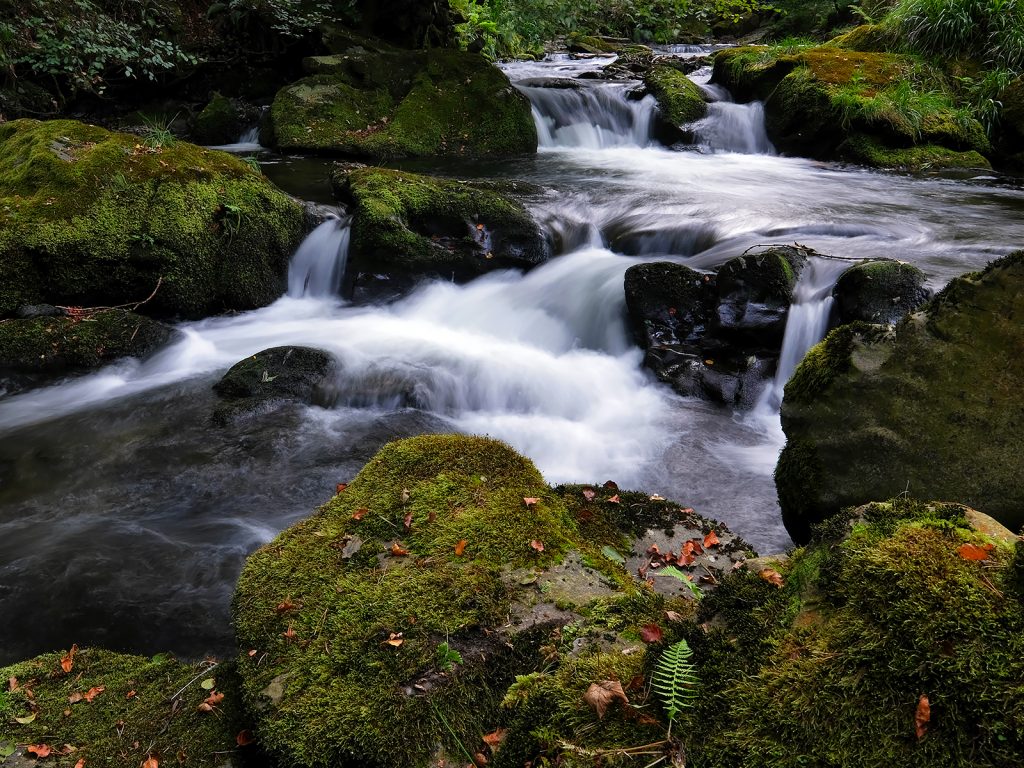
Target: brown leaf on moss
[614, 499]
[80, 763]
[397, 550]
[611, 485]
[12, 684]
[395, 640]
[244, 738]
[530, 501]
[771, 576]
[651, 633]
[710, 540]
[589, 494]
[407, 521]
[67, 661]
[151, 762]
[39, 750]
[460, 547]
[92, 693]
[922, 716]
[285, 605]
[75, 697]
[537, 545]
[340, 488]
[360, 513]
[600, 694]
[494, 739]
[289, 634]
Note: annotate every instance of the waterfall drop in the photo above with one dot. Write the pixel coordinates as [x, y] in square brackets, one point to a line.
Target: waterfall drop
[318, 266]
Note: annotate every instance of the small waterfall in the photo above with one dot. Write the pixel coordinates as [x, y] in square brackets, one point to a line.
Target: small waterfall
[592, 116]
[318, 265]
[250, 136]
[248, 142]
[731, 127]
[806, 324]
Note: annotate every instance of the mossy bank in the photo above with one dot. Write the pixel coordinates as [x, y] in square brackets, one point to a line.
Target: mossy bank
[94, 218]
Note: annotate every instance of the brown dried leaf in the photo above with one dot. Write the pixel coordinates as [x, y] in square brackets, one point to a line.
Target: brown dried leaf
[673, 616]
[244, 738]
[974, 552]
[407, 521]
[12, 684]
[537, 544]
[151, 762]
[656, 497]
[460, 547]
[651, 633]
[397, 550]
[39, 750]
[922, 716]
[711, 540]
[395, 639]
[771, 576]
[285, 605]
[589, 494]
[600, 694]
[530, 501]
[614, 499]
[80, 763]
[360, 513]
[494, 739]
[289, 634]
[340, 488]
[67, 661]
[130, 695]
[92, 693]
[611, 485]
[75, 697]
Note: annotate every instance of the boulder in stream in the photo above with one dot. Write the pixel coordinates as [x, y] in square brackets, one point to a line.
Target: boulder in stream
[680, 100]
[91, 218]
[755, 292]
[933, 407]
[446, 577]
[272, 377]
[879, 291]
[408, 226]
[390, 103]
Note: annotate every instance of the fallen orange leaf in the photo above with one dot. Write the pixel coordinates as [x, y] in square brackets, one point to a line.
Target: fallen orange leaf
[80, 763]
[407, 521]
[710, 540]
[285, 605]
[67, 661]
[495, 738]
[151, 762]
[244, 738]
[340, 487]
[974, 552]
[289, 634]
[614, 499]
[922, 716]
[651, 633]
[75, 697]
[771, 576]
[395, 639]
[599, 695]
[537, 544]
[130, 695]
[12, 684]
[588, 494]
[360, 513]
[39, 750]
[530, 501]
[92, 693]
[398, 551]
[460, 547]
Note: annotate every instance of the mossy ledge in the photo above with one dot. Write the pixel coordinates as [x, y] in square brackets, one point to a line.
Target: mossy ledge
[94, 218]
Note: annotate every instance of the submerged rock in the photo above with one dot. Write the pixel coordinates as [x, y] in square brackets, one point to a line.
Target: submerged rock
[934, 407]
[94, 218]
[390, 103]
[407, 225]
[273, 377]
[880, 291]
[412, 601]
[112, 709]
[883, 109]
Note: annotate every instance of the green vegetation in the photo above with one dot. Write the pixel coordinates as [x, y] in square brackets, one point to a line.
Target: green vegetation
[113, 710]
[680, 99]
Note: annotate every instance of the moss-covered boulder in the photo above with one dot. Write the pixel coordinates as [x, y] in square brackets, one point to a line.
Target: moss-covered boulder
[755, 292]
[76, 340]
[883, 109]
[409, 603]
[934, 407]
[219, 122]
[94, 218]
[112, 710]
[881, 291]
[895, 638]
[680, 100]
[407, 225]
[272, 377]
[389, 104]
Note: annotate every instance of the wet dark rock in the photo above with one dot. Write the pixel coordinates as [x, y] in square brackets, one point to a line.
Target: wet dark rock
[31, 311]
[879, 292]
[271, 378]
[668, 303]
[755, 292]
[562, 83]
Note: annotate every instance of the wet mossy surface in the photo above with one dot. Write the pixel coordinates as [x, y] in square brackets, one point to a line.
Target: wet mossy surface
[69, 343]
[408, 224]
[94, 218]
[879, 610]
[140, 708]
[219, 122]
[393, 104]
[880, 291]
[934, 406]
[881, 109]
[680, 100]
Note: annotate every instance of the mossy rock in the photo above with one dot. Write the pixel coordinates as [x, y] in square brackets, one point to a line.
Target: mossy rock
[830, 668]
[831, 103]
[139, 708]
[591, 44]
[667, 303]
[404, 104]
[94, 218]
[77, 342]
[866, 38]
[272, 377]
[755, 292]
[411, 601]
[933, 407]
[880, 291]
[680, 100]
[219, 122]
[413, 225]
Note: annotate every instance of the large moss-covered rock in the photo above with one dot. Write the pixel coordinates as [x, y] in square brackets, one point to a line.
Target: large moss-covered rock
[880, 291]
[411, 225]
[411, 601]
[680, 100]
[884, 609]
[76, 341]
[390, 103]
[219, 122]
[934, 407]
[827, 102]
[94, 218]
[111, 710]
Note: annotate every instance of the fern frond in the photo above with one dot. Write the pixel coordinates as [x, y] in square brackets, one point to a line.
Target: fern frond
[675, 680]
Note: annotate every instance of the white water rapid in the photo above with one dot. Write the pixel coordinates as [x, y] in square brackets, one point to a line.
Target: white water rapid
[318, 266]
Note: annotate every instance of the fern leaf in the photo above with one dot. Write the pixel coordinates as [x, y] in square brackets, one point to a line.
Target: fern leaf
[675, 679]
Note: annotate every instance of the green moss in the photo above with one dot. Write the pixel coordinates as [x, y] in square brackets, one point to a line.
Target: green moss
[443, 102]
[829, 359]
[679, 98]
[219, 122]
[414, 224]
[143, 707]
[91, 217]
[56, 344]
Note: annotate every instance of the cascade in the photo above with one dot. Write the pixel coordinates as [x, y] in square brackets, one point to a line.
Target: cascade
[318, 266]
[591, 116]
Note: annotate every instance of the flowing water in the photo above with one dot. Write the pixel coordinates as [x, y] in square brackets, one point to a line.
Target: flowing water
[125, 514]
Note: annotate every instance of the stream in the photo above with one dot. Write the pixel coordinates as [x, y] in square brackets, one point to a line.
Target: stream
[126, 515]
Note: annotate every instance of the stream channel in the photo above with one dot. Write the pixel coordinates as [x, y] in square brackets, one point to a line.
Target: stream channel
[125, 515]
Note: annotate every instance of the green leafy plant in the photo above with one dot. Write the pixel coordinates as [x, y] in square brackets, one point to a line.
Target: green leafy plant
[253, 163]
[683, 577]
[447, 657]
[675, 680]
[157, 132]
